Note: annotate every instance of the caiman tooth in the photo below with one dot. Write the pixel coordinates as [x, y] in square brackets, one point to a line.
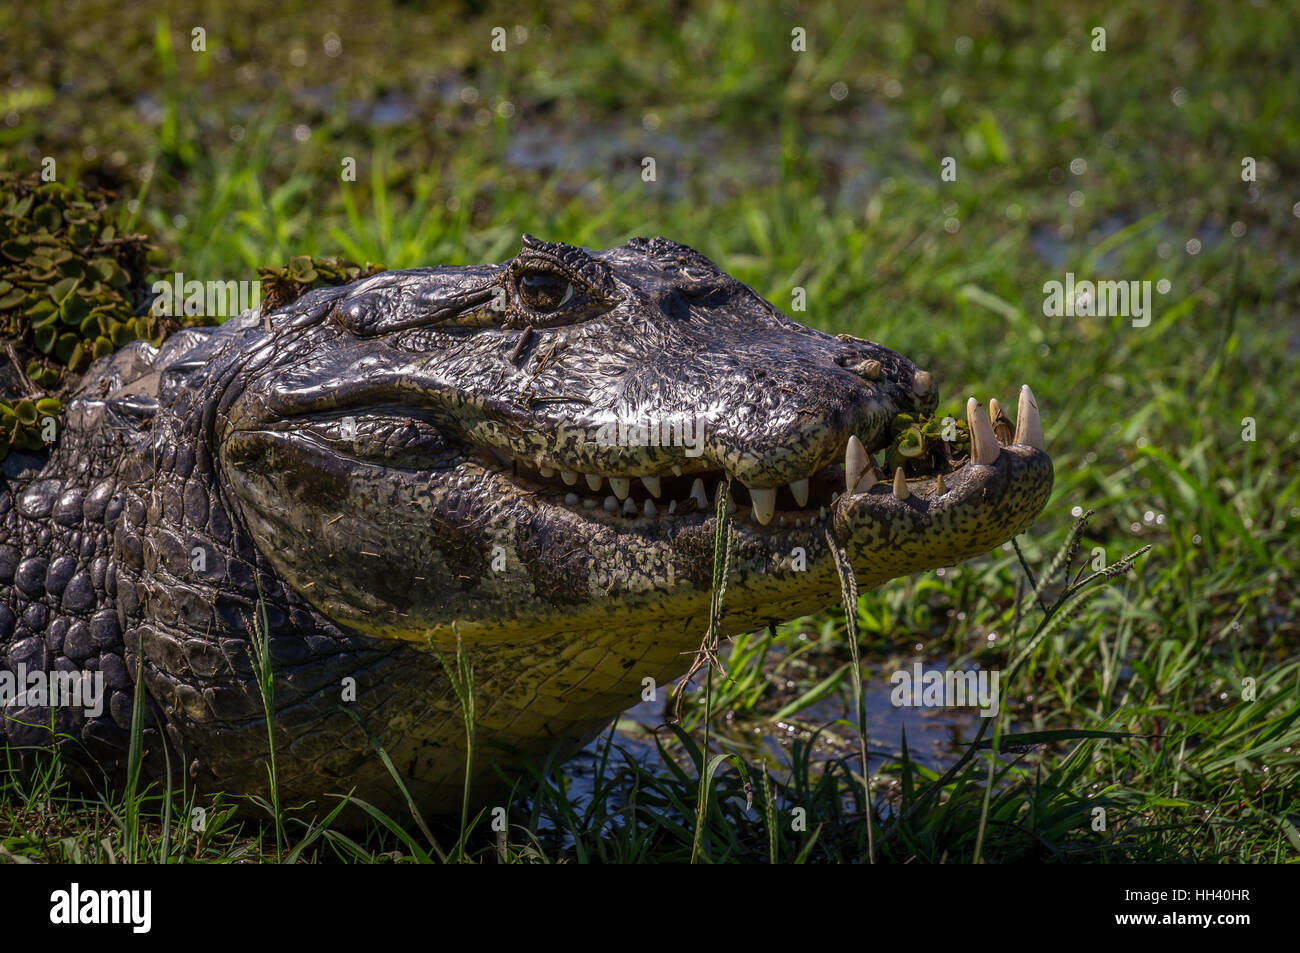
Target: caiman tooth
[629, 508]
[611, 505]
[764, 501]
[697, 494]
[855, 464]
[900, 485]
[621, 486]
[593, 480]
[983, 445]
[672, 507]
[940, 487]
[546, 472]
[677, 471]
[569, 477]
[1029, 426]
[651, 484]
[799, 489]
[650, 509]
[1002, 428]
[570, 499]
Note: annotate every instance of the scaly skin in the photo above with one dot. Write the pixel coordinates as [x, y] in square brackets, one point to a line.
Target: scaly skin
[374, 463]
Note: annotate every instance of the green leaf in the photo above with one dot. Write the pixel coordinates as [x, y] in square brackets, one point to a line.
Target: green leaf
[74, 310]
[15, 249]
[64, 345]
[63, 289]
[122, 334]
[44, 338]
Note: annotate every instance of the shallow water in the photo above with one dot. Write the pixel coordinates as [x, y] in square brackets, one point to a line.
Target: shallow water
[935, 737]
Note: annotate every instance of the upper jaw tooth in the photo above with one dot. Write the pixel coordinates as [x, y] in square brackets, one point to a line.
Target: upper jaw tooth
[983, 445]
[651, 484]
[593, 480]
[621, 486]
[569, 477]
[1029, 426]
[764, 500]
[799, 488]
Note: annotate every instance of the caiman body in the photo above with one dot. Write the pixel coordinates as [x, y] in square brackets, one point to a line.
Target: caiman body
[504, 454]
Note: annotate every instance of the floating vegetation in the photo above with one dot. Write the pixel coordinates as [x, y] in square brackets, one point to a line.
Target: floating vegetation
[72, 288]
[923, 445]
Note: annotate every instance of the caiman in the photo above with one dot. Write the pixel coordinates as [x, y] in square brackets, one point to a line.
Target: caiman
[521, 458]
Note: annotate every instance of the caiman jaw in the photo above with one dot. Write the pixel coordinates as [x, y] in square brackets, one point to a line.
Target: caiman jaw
[630, 503]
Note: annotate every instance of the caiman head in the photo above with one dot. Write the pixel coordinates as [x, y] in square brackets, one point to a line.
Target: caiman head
[527, 457]
[536, 448]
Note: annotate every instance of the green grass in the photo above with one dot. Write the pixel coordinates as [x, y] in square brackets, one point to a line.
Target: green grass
[785, 186]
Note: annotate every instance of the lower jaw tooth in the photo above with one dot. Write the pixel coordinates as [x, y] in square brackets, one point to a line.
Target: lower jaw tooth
[866, 481]
[1002, 428]
[611, 505]
[629, 508]
[672, 507]
[650, 509]
[984, 448]
[900, 485]
[697, 494]
[856, 463]
[1029, 426]
[570, 499]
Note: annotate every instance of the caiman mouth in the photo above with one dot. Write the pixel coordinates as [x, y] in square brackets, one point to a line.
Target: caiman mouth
[630, 502]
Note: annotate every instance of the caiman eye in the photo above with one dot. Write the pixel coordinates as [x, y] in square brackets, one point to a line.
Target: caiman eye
[544, 292]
